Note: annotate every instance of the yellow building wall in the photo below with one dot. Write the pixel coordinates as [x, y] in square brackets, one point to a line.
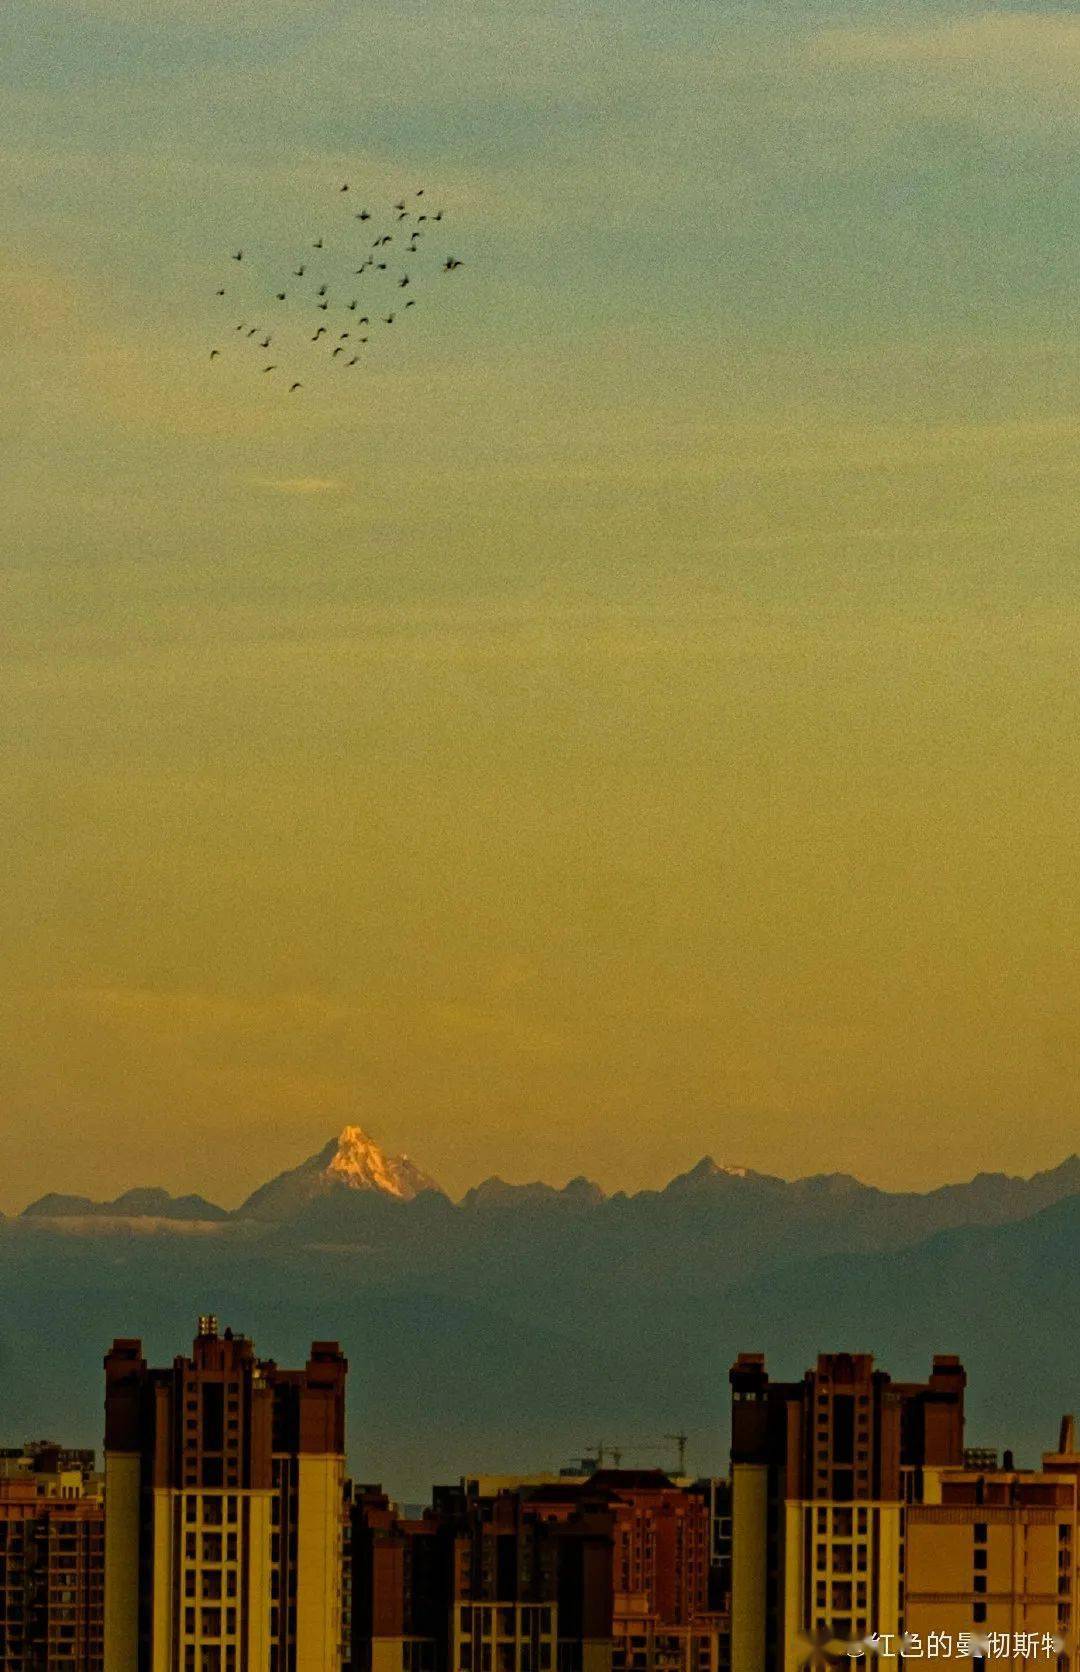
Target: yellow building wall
[255, 1562]
[318, 1564]
[749, 1525]
[164, 1583]
[1021, 1575]
[122, 1472]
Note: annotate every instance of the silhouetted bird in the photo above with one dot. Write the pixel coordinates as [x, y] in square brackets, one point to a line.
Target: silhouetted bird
[351, 305]
[269, 368]
[240, 327]
[338, 350]
[344, 334]
[266, 342]
[363, 215]
[219, 293]
[389, 319]
[420, 193]
[345, 187]
[323, 306]
[253, 330]
[410, 303]
[321, 332]
[321, 290]
[239, 256]
[354, 360]
[299, 272]
[400, 205]
[450, 263]
[381, 267]
[281, 296]
[293, 386]
[317, 244]
[214, 352]
[403, 282]
[437, 217]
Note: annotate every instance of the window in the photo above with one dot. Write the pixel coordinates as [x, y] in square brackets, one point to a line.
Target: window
[980, 1532]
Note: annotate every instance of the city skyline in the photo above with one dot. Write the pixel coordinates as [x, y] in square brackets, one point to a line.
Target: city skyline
[224, 1533]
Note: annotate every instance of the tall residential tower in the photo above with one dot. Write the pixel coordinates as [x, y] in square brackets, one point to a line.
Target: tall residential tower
[224, 1483]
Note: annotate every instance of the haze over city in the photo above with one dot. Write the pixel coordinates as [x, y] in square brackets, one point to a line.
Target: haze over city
[636, 721]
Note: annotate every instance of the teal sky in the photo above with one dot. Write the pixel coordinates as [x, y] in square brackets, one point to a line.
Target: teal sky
[639, 715]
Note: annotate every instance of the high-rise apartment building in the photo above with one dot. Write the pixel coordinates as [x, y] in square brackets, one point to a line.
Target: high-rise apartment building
[224, 1485]
[52, 1564]
[822, 1472]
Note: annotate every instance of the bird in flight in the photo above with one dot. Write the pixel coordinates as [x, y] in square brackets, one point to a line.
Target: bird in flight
[344, 334]
[437, 217]
[321, 332]
[221, 293]
[338, 350]
[402, 282]
[450, 263]
[240, 327]
[381, 268]
[389, 319]
[354, 360]
[411, 303]
[317, 244]
[363, 215]
[420, 193]
[294, 386]
[299, 271]
[239, 256]
[351, 305]
[324, 306]
[281, 296]
[345, 187]
[253, 330]
[265, 342]
[269, 368]
[321, 290]
[214, 352]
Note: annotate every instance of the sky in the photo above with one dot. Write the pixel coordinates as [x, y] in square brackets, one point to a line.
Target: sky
[634, 714]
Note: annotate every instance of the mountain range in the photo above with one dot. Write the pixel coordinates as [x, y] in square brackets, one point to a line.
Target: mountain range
[512, 1327]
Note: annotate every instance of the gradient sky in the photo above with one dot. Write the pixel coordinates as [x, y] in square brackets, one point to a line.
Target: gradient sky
[641, 718]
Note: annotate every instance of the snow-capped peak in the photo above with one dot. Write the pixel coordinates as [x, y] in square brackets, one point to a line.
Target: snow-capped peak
[359, 1163]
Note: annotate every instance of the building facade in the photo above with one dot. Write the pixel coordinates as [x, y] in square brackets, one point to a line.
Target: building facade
[610, 1573]
[822, 1473]
[994, 1552]
[52, 1564]
[224, 1479]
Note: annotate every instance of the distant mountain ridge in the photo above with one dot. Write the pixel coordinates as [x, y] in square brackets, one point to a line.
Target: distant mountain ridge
[146, 1203]
[352, 1176]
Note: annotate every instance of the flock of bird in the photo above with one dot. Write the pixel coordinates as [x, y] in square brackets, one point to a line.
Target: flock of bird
[313, 290]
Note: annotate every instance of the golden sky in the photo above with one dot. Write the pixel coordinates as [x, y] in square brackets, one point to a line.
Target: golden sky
[641, 717]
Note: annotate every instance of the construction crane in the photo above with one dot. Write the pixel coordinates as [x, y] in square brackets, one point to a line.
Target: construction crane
[679, 1440]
